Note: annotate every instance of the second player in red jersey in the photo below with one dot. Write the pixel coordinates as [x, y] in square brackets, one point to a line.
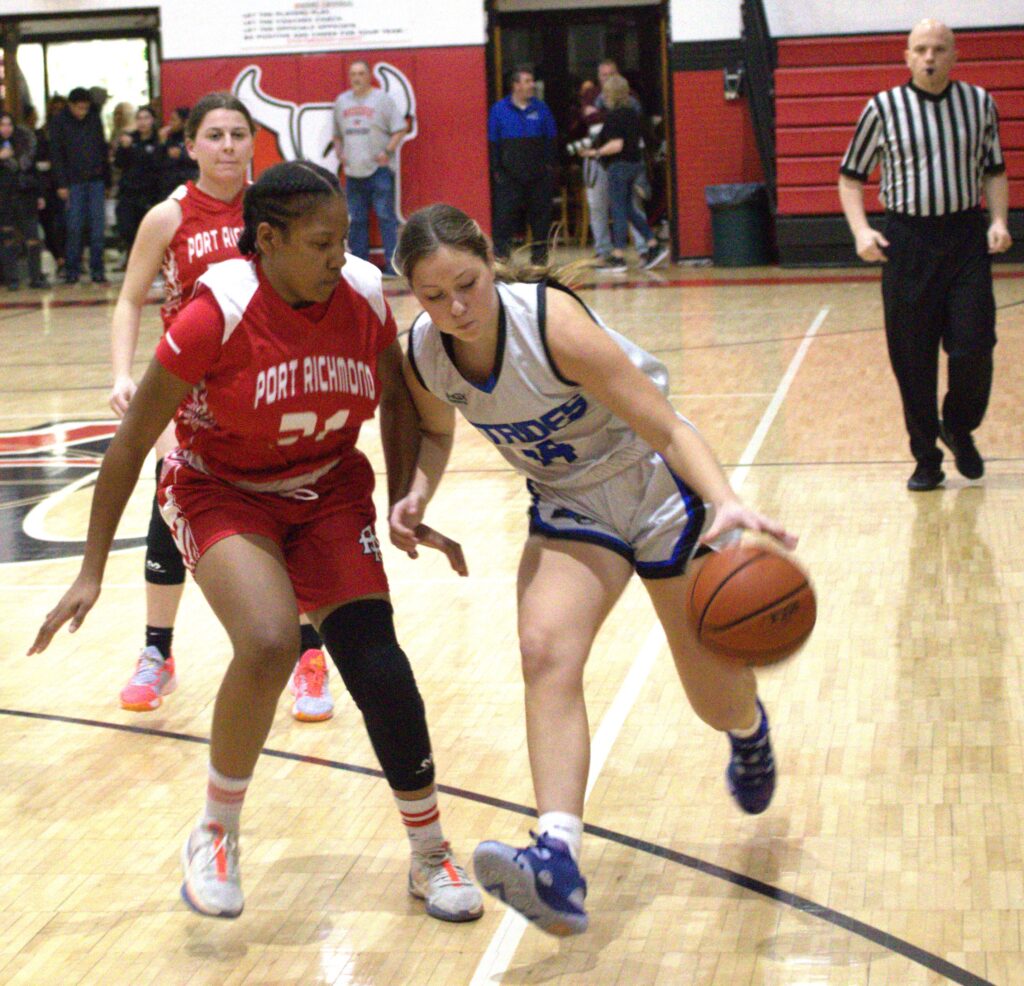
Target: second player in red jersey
[196, 226]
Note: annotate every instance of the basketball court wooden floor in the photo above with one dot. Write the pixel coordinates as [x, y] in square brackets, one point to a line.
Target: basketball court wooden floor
[891, 855]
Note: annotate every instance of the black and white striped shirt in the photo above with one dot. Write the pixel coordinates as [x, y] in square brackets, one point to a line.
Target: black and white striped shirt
[934, 149]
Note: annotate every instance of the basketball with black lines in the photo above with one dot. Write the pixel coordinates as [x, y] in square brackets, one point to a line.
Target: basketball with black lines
[752, 604]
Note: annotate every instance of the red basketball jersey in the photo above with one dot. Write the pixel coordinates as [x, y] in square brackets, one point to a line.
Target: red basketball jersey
[208, 234]
[279, 394]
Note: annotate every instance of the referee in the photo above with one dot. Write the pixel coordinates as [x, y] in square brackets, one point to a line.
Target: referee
[938, 142]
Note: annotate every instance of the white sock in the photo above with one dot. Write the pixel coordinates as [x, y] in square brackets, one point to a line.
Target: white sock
[562, 825]
[224, 798]
[752, 731]
[422, 821]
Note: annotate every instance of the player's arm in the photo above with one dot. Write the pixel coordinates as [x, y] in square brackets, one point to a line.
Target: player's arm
[159, 394]
[436, 424]
[584, 353]
[155, 233]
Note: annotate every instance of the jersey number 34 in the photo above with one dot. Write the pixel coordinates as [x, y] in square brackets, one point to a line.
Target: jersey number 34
[302, 424]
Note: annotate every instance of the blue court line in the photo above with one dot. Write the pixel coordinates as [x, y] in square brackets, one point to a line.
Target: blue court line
[890, 942]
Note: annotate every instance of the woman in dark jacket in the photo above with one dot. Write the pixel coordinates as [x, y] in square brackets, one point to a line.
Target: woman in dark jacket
[138, 157]
[618, 148]
[51, 214]
[19, 204]
[176, 167]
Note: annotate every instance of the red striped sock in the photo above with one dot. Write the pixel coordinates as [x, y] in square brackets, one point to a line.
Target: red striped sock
[422, 821]
[224, 798]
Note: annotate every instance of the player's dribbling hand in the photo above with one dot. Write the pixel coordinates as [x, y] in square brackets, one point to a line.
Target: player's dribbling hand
[871, 246]
[74, 605]
[121, 394]
[733, 516]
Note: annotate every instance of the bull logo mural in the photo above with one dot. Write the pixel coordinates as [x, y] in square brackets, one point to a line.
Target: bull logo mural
[305, 132]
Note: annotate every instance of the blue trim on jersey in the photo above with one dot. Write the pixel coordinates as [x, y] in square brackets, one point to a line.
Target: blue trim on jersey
[676, 563]
[491, 382]
[537, 526]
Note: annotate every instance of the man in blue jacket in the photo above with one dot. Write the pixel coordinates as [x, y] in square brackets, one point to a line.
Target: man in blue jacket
[82, 174]
[521, 137]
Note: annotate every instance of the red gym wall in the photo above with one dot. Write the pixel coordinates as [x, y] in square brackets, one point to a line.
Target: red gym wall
[821, 86]
[713, 139]
[446, 162]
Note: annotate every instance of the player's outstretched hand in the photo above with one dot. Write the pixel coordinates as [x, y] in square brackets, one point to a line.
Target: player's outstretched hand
[121, 394]
[408, 532]
[77, 601]
[733, 516]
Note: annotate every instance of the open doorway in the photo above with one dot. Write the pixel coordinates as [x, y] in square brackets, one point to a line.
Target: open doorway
[112, 52]
[564, 46]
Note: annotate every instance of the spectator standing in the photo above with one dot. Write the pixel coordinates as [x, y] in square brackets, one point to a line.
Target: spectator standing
[521, 137]
[938, 143]
[595, 178]
[367, 131]
[138, 157]
[51, 215]
[19, 203]
[176, 167]
[82, 174]
[617, 148]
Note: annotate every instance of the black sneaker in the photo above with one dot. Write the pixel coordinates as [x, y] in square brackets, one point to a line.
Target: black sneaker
[653, 256]
[969, 462]
[612, 265]
[925, 477]
[99, 280]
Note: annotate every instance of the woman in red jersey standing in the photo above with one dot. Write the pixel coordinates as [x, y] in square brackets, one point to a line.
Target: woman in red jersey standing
[270, 372]
[197, 225]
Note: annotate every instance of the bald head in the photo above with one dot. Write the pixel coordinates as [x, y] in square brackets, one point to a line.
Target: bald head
[930, 55]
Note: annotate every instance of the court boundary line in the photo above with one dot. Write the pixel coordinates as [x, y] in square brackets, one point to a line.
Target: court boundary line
[892, 943]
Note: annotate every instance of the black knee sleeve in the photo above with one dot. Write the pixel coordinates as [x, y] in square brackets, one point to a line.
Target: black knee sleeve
[360, 637]
[163, 560]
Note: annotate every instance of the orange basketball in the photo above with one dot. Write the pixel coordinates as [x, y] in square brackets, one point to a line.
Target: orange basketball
[752, 604]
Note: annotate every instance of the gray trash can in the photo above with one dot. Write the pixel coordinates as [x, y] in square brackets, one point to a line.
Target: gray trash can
[740, 224]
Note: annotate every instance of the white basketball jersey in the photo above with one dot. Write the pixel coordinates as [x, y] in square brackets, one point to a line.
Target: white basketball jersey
[547, 427]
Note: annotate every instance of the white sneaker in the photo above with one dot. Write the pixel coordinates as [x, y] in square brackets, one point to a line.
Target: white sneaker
[213, 884]
[309, 685]
[445, 886]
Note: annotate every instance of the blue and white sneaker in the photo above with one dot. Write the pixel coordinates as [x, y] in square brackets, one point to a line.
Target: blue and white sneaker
[751, 772]
[542, 882]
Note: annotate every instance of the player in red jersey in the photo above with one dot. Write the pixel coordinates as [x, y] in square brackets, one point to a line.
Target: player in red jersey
[196, 226]
[270, 372]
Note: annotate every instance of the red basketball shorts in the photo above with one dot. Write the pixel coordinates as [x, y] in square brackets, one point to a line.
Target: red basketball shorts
[328, 540]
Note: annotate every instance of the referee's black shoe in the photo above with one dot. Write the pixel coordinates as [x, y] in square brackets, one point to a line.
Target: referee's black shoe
[969, 462]
[925, 477]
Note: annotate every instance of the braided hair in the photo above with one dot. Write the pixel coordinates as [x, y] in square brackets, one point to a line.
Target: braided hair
[281, 195]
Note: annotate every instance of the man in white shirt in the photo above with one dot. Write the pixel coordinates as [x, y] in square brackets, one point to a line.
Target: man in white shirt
[367, 131]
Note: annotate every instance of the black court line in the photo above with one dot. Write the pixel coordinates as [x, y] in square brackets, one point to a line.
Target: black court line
[875, 935]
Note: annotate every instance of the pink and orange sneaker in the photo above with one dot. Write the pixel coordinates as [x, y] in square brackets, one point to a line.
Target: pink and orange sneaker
[309, 685]
[154, 677]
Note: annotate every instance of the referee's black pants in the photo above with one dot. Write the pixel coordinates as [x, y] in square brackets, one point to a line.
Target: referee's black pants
[937, 290]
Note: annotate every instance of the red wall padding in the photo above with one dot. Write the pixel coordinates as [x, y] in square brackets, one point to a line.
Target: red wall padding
[821, 87]
[446, 162]
[714, 145]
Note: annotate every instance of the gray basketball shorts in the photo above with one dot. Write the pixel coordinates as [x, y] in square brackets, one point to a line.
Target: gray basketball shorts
[645, 513]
